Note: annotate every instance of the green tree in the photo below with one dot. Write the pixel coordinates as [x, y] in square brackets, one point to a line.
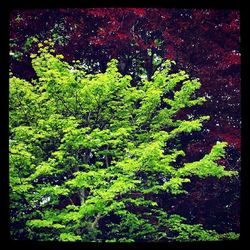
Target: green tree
[90, 152]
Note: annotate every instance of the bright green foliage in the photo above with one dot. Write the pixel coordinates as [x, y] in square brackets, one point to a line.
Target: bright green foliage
[86, 149]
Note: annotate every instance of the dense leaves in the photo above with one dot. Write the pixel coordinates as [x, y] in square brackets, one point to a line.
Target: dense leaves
[90, 152]
[206, 43]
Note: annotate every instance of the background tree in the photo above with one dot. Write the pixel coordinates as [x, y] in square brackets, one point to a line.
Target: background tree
[205, 43]
[89, 153]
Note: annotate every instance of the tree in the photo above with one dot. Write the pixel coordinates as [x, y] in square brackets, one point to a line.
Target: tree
[90, 153]
[206, 43]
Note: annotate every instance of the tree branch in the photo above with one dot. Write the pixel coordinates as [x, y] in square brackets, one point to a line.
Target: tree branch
[95, 223]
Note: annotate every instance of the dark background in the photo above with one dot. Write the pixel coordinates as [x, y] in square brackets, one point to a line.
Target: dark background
[215, 58]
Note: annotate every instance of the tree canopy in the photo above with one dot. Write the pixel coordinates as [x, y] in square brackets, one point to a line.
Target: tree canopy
[205, 42]
[90, 152]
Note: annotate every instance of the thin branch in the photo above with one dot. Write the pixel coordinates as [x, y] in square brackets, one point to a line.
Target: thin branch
[106, 158]
[95, 223]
